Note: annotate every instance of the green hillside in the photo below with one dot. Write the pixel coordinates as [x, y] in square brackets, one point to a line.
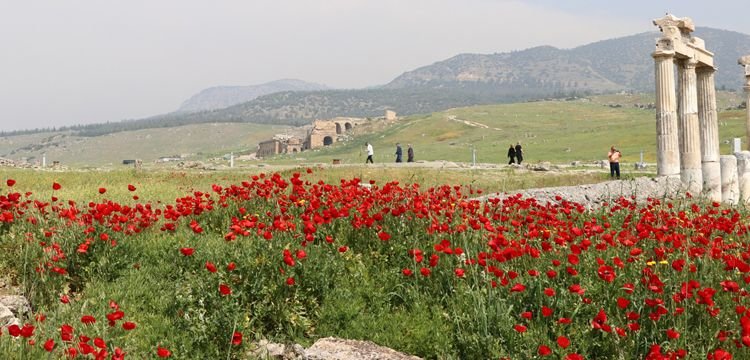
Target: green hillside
[199, 141]
[555, 131]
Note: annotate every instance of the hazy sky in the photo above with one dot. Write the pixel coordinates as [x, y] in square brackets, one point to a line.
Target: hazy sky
[65, 62]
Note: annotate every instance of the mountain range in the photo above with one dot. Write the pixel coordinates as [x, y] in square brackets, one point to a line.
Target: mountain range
[613, 65]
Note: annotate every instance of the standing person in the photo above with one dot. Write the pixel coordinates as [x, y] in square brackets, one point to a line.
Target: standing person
[519, 152]
[614, 162]
[409, 154]
[370, 153]
[398, 153]
[512, 154]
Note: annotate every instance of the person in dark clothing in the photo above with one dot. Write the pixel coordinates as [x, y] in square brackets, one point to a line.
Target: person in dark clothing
[512, 154]
[519, 153]
[398, 153]
[409, 154]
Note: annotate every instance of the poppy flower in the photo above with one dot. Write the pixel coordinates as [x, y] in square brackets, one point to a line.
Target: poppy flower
[210, 267]
[544, 350]
[290, 281]
[187, 251]
[672, 334]
[384, 236]
[520, 328]
[162, 352]
[224, 290]
[237, 338]
[10, 182]
[102, 190]
[518, 288]
[563, 342]
[131, 187]
[459, 272]
[56, 186]
[231, 266]
[128, 325]
[343, 249]
[407, 272]
[88, 319]
[99, 342]
[425, 271]
[49, 345]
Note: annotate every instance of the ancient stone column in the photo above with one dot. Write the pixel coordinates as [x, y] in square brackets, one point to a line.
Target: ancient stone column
[745, 62]
[709, 128]
[667, 139]
[730, 192]
[743, 175]
[691, 173]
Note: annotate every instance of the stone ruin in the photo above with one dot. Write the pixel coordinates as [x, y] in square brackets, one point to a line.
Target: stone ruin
[687, 134]
[327, 132]
[279, 144]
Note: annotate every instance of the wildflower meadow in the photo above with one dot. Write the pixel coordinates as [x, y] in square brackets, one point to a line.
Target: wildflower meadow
[429, 271]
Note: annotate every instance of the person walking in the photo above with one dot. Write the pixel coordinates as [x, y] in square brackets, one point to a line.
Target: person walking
[409, 154]
[614, 162]
[512, 154]
[519, 153]
[399, 153]
[370, 153]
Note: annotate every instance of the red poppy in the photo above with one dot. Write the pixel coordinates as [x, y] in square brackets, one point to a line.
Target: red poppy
[606, 273]
[384, 236]
[622, 302]
[407, 272]
[544, 350]
[49, 345]
[224, 290]
[10, 182]
[210, 267]
[518, 288]
[343, 249]
[187, 251]
[131, 187]
[162, 352]
[231, 266]
[99, 342]
[88, 319]
[425, 271]
[102, 190]
[128, 325]
[459, 272]
[56, 186]
[290, 281]
[563, 342]
[66, 332]
[672, 334]
[237, 338]
[520, 328]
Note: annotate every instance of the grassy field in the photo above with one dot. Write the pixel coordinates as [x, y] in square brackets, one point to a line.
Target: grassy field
[555, 131]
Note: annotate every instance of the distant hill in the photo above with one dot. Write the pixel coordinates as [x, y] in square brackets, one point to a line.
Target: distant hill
[615, 64]
[467, 79]
[219, 97]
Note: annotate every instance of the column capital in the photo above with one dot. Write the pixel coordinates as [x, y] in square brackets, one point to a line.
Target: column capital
[705, 69]
[690, 63]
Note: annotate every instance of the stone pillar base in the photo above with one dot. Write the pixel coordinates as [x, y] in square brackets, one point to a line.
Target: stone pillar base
[730, 192]
[692, 180]
[712, 180]
[743, 175]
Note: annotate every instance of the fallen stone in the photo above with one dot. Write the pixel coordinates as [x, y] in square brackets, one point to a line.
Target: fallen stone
[341, 349]
[17, 304]
[265, 349]
[6, 316]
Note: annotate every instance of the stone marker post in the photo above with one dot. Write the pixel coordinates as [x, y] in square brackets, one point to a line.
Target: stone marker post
[730, 192]
[743, 175]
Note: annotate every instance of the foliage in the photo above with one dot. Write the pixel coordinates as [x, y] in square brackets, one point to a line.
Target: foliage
[429, 271]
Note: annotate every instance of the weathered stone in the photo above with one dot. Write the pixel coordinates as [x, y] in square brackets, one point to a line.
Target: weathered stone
[730, 192]
[743, 175]
[17, 304]
[542, 166]
[340, 349]
[6, 316]
[264, 349]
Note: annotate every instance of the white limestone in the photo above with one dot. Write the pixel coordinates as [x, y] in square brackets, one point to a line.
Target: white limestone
[730, 192]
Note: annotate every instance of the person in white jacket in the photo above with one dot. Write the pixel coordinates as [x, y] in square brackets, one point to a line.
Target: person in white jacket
[370, 153]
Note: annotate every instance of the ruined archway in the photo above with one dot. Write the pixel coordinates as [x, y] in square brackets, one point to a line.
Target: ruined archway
[348, 127]
[338, 129]
[327, 141]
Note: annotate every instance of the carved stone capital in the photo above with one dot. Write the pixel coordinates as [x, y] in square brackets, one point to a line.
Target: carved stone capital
[745, 60]
[672, 26]
[689, 63]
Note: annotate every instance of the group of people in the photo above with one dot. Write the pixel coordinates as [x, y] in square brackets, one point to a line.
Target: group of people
[399, 153]
[515, 153]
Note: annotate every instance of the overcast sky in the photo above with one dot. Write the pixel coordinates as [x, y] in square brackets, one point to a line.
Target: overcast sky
[65, 62]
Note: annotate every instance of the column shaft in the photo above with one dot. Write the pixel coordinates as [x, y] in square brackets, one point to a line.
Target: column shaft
[688, 129]
[709, 129]
[667, 139]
